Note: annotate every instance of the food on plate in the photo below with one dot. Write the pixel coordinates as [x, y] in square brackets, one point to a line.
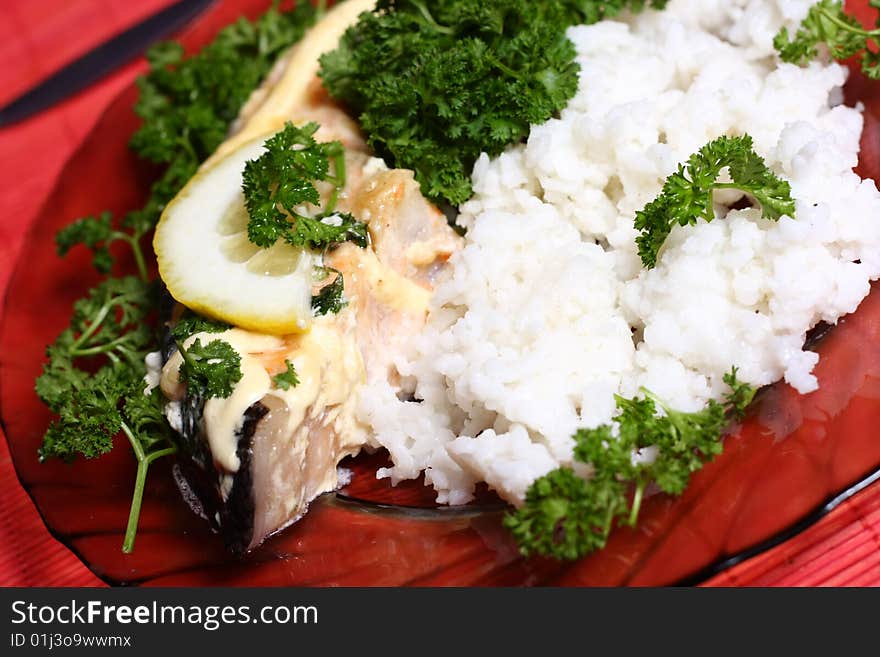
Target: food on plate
[272, 449]
[550, 313]
[93, 379]
[650, 205]
[827, 25]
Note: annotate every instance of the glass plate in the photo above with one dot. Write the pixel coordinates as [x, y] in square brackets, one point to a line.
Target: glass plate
[778, 471]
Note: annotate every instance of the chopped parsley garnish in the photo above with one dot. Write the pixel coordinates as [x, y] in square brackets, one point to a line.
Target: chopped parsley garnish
[435, 84]
[212, 369]
[593, 11]
[331, 297]
[828, 24]
[280, 184]
[94, 378]
[687, 194]
[566, 516]
[191, 323]
[287, 379]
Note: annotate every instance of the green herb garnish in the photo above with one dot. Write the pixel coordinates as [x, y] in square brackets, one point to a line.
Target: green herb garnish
[188, 103]
[287, 379]
[212, 369]
[687, 194]
[108, 328]
[97, 234]
[331, 298]
[191, 323]
[280, 183]
[827, 23]
[566, 516]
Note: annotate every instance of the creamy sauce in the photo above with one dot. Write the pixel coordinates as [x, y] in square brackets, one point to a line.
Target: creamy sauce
[390, 288]
[224, 417]
[421, 254]
[328, 364]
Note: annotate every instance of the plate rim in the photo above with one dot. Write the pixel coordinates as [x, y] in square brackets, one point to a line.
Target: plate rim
[808, 520]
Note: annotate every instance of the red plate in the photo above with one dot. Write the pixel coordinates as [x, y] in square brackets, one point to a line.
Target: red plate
[777, 473]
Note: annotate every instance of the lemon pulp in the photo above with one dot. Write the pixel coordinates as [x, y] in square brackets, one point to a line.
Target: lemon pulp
[210, 266]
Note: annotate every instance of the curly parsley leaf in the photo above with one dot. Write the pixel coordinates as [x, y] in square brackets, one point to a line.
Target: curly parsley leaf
[213, 369]
[687, 193]
[322, 231]
[566, 516]
[97, 233]
[424, 81]
[283, 178]
[191, 323]
[685, 442]
[109, 326]
[331, 298]
[828, 24]
[562, 516]
[109, 323]
[436, 84]
[88, 409]
[280, 184]
[287, 379]
[739, 396]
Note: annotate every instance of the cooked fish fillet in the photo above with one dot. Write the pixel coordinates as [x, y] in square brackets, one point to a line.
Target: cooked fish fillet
[259, 457]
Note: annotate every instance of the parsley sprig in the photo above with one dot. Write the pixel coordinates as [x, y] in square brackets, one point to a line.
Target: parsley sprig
[687, 193]
[213, 369]
[287, 379]
[593, 11]
[280, 185]
[566, 516]
[283, 201]
[435, 84]
[827, 23]
[97, 233]
[331, 297]
[191, 323]
[94, 382]
[188, 103]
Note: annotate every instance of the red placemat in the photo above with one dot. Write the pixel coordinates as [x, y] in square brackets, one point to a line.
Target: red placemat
[35, 39]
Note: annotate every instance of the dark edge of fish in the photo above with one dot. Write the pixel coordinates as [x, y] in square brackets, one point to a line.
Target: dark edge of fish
[237, 515]
[195, 474]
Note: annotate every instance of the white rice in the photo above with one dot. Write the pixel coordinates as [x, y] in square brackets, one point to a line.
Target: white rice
[547, 311]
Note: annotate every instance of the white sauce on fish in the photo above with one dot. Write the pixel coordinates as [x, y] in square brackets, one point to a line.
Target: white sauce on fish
[328, 364]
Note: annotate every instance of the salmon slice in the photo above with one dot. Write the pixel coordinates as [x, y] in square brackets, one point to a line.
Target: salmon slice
[259, 457]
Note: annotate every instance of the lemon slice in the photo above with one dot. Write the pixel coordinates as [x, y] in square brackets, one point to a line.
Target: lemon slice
[210, 266]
